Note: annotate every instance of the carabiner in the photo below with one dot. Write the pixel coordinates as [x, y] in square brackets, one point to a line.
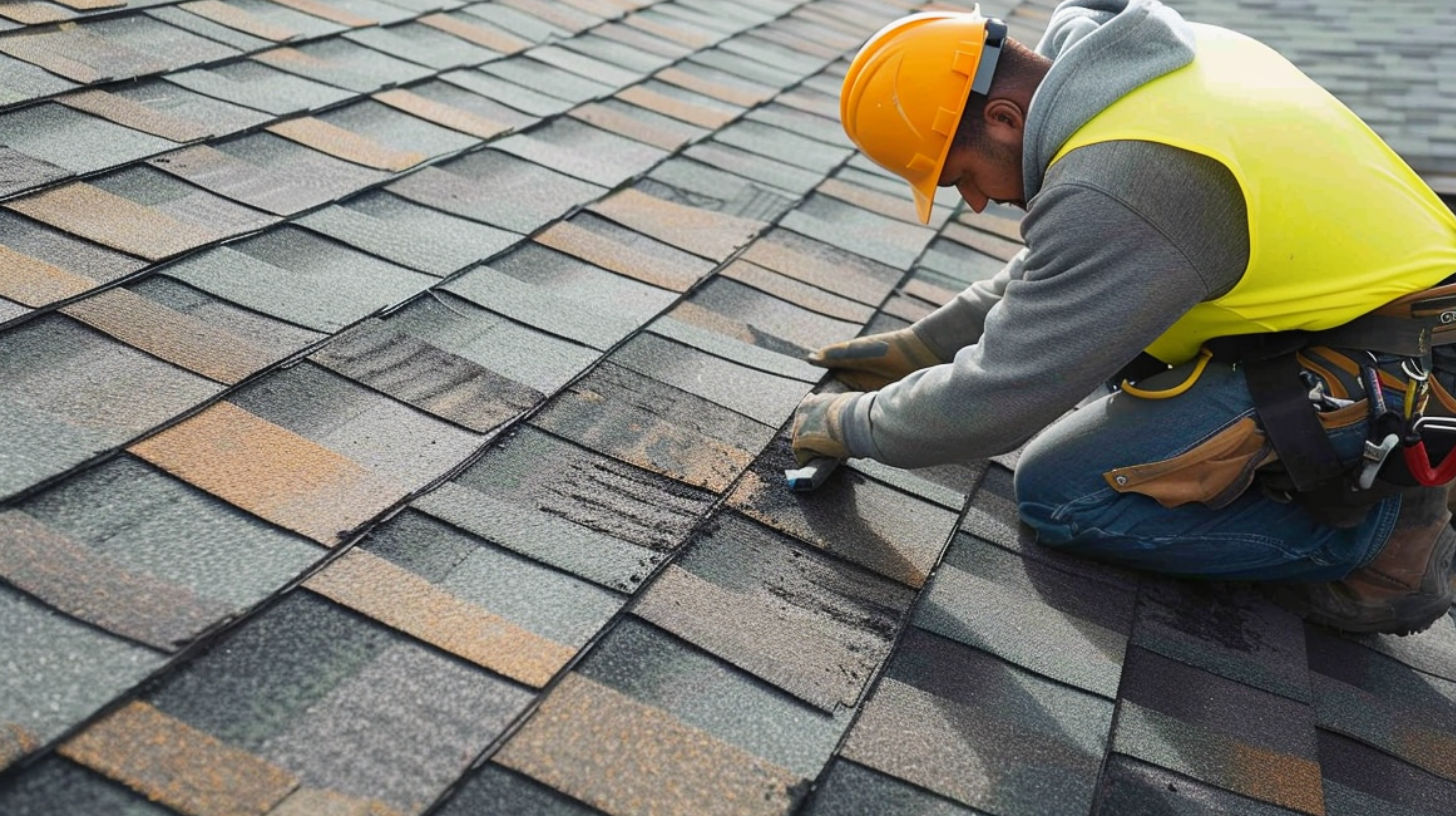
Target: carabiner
[1419, 462]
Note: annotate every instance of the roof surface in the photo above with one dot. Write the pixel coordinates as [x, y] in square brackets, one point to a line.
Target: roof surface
[393, 417]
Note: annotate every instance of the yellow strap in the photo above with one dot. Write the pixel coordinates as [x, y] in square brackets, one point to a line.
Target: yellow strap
[1204, 355]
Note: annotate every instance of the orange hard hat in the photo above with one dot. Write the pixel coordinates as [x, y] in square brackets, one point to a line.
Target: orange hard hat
[906, 90]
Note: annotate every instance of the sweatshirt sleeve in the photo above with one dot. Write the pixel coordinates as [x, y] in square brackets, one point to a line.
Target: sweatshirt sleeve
[1102, 278]
[960, 322]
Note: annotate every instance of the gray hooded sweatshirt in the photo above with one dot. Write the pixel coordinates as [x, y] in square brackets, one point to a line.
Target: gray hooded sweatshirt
[1122, 238]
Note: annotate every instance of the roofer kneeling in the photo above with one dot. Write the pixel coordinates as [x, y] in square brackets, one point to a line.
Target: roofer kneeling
[1204, 221]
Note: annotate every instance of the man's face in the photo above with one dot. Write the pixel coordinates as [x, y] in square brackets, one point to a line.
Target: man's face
[989, 169]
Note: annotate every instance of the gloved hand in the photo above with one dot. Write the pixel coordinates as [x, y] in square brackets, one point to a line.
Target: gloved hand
[873, 362]
[817, 431]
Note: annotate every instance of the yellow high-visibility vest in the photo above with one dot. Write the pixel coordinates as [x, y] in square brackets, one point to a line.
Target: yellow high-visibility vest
[1338, 223]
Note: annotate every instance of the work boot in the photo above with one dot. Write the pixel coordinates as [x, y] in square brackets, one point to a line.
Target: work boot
[1405, 589]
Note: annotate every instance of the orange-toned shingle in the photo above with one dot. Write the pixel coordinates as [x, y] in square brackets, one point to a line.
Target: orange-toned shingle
[441, 113]
[171, 762]
[345, 144]
[113, 221]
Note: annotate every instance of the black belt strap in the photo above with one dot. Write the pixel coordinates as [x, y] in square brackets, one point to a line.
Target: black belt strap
[1282, 402]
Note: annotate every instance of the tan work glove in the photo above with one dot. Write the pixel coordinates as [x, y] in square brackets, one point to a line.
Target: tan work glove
[817, 431]
[873, 362]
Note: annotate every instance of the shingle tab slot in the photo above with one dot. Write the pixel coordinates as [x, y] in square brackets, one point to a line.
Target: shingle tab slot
[405, 601]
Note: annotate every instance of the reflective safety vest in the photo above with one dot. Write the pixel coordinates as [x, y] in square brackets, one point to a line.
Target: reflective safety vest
[1338, 223]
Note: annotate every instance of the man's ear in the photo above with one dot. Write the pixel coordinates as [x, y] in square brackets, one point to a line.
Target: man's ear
[1005, 121]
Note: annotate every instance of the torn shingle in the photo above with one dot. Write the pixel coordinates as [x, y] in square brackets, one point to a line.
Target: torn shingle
[851, 789]
[705, 233]
[1224, 733]
[271, 472]
[402, 600]
[498, 189]
[89, 586]
[255, 85]
[811, 625]
[657, 669]
[344, 64]
[1031, 614]
[268, 172]
[609, 246]
[655, 751]
[895, 534]
[542, 308]
[405, 233]
[981, 732]
[71, 397]
[583, 151]
[1228, 629]
[653, 425]
[764, 397]
[551, 603]
[431, 379]
[177, 765]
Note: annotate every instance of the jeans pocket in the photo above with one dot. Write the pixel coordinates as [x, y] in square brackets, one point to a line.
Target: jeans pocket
[1214, 472]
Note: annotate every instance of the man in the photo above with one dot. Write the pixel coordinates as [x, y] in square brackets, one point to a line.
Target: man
[1191, 195]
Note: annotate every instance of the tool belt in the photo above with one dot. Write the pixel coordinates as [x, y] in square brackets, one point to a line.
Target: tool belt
[1305, 384]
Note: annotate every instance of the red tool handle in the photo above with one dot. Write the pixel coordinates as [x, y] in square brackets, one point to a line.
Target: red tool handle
[1420, 467]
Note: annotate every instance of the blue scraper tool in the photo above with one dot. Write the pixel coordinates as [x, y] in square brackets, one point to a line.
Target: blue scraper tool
[811, 475]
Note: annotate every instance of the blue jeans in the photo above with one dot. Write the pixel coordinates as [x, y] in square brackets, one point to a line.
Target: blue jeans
[1063, 495]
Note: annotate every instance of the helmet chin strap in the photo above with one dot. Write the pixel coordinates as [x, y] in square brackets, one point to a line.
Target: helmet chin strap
[990, 55]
